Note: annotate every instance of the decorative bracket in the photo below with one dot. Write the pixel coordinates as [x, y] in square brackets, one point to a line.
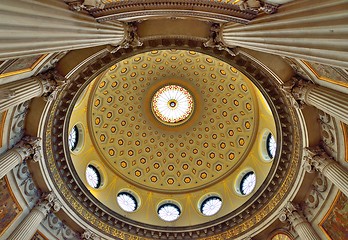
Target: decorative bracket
[131, 39]
[215, 40]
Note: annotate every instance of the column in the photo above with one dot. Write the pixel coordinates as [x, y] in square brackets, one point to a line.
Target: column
[27, 228]
[316, 159]
[14, 93]
[27, 147]
[309, 30]
[292, 214]
[328, 100]
[44, 26]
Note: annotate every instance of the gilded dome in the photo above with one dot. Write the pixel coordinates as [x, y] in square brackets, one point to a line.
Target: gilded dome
[207, 154]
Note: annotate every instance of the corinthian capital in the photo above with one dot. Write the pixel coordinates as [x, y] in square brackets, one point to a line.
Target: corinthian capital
[315, 159]
[215, 40]
[131, 39]
[291, 213]
[29, 147]
[52, 83]
[296, 89]
[48, 202]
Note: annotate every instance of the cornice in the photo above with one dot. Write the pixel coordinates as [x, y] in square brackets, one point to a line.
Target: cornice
[139, 10]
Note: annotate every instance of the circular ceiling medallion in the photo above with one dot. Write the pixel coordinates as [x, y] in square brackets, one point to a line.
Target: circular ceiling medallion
[172, 104]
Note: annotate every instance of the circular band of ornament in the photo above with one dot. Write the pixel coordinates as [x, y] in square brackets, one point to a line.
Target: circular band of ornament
[172, 104]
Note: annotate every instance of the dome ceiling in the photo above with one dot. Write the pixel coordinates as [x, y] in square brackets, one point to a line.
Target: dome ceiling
[185, 163]
[163, 157]
[118, 202]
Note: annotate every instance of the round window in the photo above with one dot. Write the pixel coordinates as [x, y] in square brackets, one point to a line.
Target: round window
[247, 183]
[127, 201]
[271, 145]
[169, 212]
[93, 177]
[211, 205]
[73, 138]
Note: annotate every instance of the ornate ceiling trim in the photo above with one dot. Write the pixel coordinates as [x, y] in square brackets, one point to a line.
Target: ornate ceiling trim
[139, 10]
[264, 202]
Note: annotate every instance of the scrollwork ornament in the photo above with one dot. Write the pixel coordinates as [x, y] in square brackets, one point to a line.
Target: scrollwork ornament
[30, 147]
[257, 6]
[52, 82]
[291, 213]
[296, 90]
[48, 202]
[316, 158]
[215, 40]
[131, 39]
[89, 235]
[79, 5]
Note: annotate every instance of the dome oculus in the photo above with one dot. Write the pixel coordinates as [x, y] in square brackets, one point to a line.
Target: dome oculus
[93, 176]
[172, 104]
[127, 202]
[211, 206]
[169, 212]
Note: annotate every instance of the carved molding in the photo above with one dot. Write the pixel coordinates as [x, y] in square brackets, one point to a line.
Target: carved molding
[316, 159]
[131, 38]
[32, 194]
[140, 10]
[292, 213]
[296, 89]
[89, 235]
[257, 6]
[316, 196]
[215, 40]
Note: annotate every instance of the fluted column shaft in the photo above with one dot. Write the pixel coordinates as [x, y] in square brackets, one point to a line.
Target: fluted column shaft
[328, 100]
[27, 228]
[27, 147]
[305, 231]
[29, 225]
[38, 27]
[9, 160]
[14, 93]
[317, 159]
[337, 175]
[20, 91]
[292, 213]
[313, 31]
